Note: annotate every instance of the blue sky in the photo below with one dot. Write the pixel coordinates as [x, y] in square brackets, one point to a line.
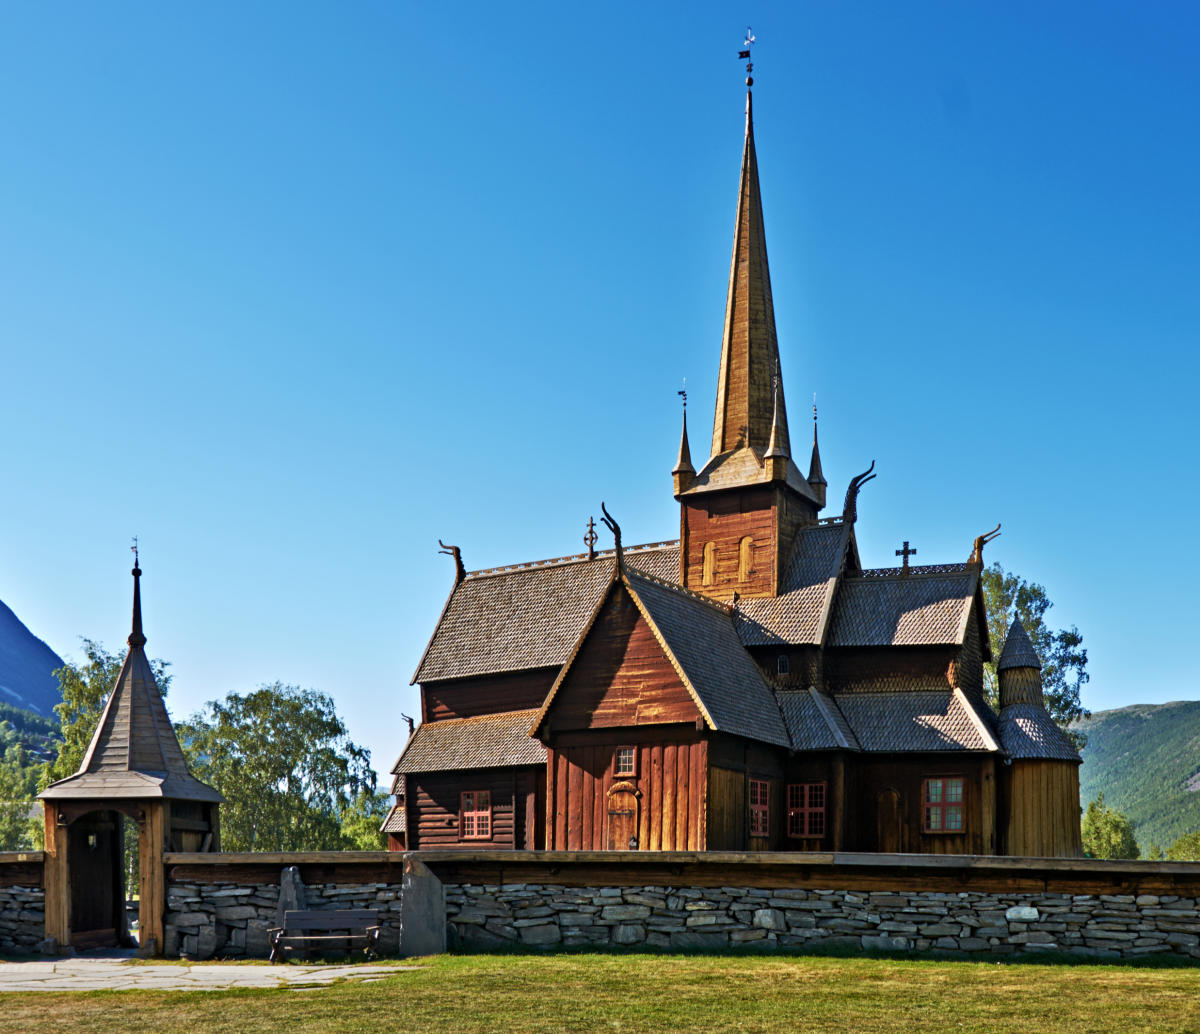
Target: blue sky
[290, 291]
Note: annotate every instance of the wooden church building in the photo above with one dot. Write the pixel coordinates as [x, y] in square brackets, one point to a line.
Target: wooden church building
[748, 686]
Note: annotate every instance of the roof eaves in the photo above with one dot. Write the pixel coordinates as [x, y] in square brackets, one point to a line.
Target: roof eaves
[438, 625]
[562, 672]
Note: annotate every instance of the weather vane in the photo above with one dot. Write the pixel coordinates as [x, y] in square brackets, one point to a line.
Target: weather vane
[744, 55]
[683, 393]
[134, 549]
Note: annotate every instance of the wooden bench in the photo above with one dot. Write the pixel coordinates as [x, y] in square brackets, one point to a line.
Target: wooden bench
[359, 926]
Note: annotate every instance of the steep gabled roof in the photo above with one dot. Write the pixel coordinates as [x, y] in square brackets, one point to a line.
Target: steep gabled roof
[483, 741]
[1018, 651]
[698, 638]
[134, 751]
[527, 616]
[800, 613]
[928, 606]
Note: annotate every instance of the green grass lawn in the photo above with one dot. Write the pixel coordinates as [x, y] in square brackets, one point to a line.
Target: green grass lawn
[646, 993]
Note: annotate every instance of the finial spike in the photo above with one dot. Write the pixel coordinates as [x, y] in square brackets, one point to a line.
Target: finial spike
[744, 55]
[137, 637]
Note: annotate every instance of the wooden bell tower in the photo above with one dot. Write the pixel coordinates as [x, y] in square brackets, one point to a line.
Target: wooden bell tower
[134, 771]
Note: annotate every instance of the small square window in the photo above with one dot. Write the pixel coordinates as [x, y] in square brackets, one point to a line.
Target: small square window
[625, 761]
[475, 815]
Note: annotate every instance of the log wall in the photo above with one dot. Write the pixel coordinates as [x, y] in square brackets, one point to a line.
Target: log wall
[434, 800]
[466, 698]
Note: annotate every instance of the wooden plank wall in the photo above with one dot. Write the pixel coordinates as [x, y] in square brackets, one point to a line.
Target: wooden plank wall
[434, 821]
[1041, 809]
[725, 519]
[465, 698]
[620, 677]
[669, 786]
[726, 809]
[906, 774]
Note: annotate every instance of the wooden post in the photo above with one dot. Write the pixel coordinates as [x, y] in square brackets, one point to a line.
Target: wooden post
[152, 881]
[54, 878]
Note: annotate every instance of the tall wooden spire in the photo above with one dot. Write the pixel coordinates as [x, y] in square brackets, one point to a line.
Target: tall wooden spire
[749, 349]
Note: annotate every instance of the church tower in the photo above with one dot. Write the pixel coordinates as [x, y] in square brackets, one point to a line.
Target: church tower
[739, 514]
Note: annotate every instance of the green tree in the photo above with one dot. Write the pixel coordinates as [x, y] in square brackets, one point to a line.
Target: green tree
[1108, 833]
[281, 757]
[1063, 655]
[20, 820]
[362, 819]
[1186, 848]
[85, 689]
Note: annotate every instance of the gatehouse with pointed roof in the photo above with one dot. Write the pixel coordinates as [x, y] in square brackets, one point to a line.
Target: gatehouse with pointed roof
[746, 686]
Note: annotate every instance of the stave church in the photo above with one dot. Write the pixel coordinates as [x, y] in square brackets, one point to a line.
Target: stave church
[747, 686]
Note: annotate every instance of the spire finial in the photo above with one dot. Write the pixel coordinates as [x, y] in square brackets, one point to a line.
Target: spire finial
[744, 55]
[136, 637]
[590, 538]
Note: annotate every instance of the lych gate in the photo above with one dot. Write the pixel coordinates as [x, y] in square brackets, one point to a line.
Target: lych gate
[133, 771]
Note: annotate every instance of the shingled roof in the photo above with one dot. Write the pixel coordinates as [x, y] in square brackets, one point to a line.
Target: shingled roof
[814, 721]
[927, 606]
[800, 613]
[483, 741]
[1018, 651]
[527, 616]
[933, 719]
[1028, 731]
[134, 751]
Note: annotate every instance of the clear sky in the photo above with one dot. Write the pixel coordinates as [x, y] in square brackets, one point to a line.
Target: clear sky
[291, 290]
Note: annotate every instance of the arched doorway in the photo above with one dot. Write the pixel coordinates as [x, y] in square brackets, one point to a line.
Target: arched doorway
[622, 817]
[96, 880]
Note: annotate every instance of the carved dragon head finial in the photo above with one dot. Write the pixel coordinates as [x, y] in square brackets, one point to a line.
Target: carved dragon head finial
[615, 528]
[976, 556]
[850, 510]
[460, 572]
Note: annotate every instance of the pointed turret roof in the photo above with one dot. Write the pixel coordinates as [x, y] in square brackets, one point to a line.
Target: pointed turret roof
[815, 475]
[134, 751]
[1018, 651]
[751, 411]
[683, 465]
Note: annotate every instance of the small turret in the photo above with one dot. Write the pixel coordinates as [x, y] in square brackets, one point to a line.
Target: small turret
[816, 477]
[684, 473]
[1019, 669]
[779, 447]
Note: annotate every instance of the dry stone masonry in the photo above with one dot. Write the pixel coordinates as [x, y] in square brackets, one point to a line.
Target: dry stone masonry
[678, 918]
[22, 919]
[228, 920]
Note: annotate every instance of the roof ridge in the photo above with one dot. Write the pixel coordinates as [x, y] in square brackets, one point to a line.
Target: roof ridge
[924, 569]
[572, 558]
[724, 608]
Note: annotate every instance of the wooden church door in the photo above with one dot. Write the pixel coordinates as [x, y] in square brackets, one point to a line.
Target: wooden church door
[95, 853]
[622, 818]
[889, 827]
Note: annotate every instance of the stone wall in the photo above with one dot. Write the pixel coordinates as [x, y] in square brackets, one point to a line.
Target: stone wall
[553, 915]
[22, 919]
[231, 920]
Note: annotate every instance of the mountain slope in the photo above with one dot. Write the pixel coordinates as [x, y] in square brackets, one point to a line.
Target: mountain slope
[25, 666]
[1145, 759]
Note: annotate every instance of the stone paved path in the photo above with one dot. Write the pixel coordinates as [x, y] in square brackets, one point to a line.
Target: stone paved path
[122, 974]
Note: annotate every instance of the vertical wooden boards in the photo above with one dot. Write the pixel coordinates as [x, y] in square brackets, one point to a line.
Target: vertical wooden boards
[1043, 809]
[669, 807]
[55, 878]
[551, 799]
[152, 884]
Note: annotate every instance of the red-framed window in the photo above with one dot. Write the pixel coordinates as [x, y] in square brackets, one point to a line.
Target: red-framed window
[625, 761]
[944, 804]
[475, 815]
[760, 808]
[806, 809]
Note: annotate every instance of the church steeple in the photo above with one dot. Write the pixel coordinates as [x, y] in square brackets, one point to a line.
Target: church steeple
[684, 471]
[816, 477]
[746, 407]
